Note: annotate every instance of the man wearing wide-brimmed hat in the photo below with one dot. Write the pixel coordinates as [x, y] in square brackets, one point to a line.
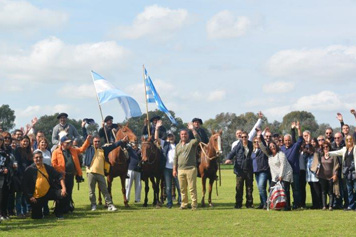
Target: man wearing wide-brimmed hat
[197, 122]
[153, 120]
[71, 131]
[110, 129]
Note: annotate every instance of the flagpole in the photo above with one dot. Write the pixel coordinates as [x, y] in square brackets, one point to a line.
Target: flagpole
[148, 120]
[101, 112]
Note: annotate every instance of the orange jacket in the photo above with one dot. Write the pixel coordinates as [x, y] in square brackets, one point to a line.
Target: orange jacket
[58, 161]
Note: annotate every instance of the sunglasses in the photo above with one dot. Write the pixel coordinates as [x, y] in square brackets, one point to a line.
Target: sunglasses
[7, 138]
[321, 140]
[243, 136]
[337, 137]
[326, 147]
[255, 142]
[328, 133]
[268, 136]
[280, 140]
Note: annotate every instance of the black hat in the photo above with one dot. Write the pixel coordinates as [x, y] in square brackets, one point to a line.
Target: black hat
[275, 135]
[197, 120]
[155, 117]
[107, 118]
[61, 115]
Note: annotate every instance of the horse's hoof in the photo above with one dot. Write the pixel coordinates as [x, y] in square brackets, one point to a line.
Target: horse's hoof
[145, 205]
[158, 206]
[100, 203]
[127, 205]
[203, 204]
[211, 205]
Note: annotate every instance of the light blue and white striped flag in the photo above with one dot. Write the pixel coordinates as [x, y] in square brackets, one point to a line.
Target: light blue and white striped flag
[107, 91]
[153, 97]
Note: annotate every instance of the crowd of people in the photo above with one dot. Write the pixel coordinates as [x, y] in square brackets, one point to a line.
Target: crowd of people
[32, 173]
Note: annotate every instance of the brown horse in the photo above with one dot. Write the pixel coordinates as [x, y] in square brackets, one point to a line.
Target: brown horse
[209, 163]
[151, 158]
[118, 159]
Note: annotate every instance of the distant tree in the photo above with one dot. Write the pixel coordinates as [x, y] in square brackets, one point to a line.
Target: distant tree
[7, 118]
[275, 127]
[321, 130]
[306, 119]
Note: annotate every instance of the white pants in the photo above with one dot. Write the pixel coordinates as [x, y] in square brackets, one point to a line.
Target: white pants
[133, 176]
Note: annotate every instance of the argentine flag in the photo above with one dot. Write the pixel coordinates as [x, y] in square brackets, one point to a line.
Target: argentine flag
[153, 97]
[107, 91]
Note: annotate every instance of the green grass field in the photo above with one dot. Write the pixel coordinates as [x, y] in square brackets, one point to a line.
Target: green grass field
[221, 220]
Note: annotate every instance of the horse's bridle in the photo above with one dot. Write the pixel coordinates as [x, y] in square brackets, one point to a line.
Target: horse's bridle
[218, 151]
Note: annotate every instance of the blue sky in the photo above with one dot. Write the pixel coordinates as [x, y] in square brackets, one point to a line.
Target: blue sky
[205, 57]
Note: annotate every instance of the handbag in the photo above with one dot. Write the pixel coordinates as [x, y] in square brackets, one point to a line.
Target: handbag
[277, 198]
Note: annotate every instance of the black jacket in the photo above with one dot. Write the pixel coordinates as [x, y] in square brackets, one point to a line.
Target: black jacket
[203, 136]
[261, 161]
[30, 177]
[243, 164]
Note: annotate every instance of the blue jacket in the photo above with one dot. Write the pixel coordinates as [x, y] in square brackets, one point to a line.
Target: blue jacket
[292, 153]
[243, 164]
[135, 158]
[259, 161]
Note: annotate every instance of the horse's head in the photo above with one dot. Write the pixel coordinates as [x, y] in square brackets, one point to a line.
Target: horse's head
[148, 148]
[215, 142]
[126, 131]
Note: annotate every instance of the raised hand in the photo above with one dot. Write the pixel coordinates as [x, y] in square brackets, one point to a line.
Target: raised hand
[159, 123]
[260, 114]
[297, 125]
[339, 117]
[190, 126]
[292, 125]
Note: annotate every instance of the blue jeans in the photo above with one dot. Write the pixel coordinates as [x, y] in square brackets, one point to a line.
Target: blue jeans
[21, 204]
[351, 193]
[296, 191]
[261, 179]
[168, 177]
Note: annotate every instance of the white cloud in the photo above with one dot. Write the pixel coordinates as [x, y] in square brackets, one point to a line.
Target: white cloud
[155, 21]
[217, 95]
[78, 92]
[279, 87]
[225, 25]
[52, 60]
[323, 101]
[322, 64]
[21, 15]
[38, 110]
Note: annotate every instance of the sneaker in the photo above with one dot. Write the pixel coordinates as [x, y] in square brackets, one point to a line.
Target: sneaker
[111, 207]
[93, 207]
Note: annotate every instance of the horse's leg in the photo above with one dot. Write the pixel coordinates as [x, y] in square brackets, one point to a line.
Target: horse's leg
[147, 188]
[123, 189]
[99, 196]
[203, 182]
[152, 178]
[211, 185]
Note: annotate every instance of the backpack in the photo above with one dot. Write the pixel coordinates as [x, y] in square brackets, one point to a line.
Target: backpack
[277, 197]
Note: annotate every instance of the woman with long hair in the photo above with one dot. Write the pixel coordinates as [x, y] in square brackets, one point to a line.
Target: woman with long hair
[348, 165]
[23, 155]
[326, 168]
[280, 168]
